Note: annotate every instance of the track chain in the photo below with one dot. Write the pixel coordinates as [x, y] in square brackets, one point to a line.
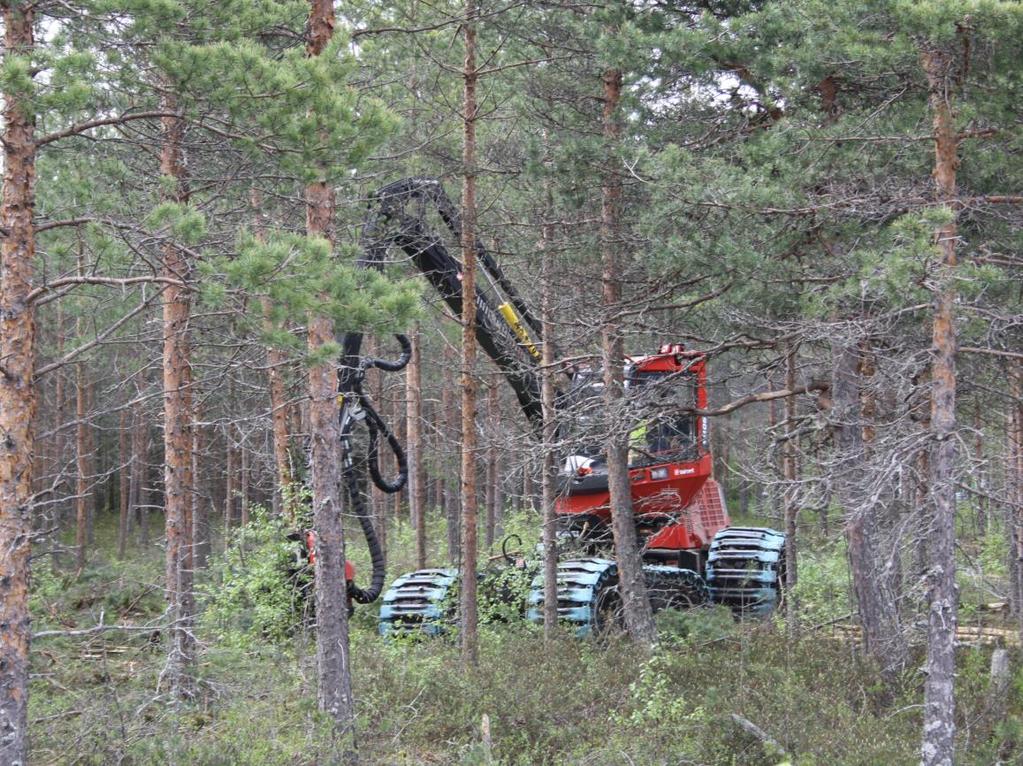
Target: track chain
[744, 569]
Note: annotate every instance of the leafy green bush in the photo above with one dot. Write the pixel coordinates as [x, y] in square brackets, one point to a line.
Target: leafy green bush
[258, 587]
[822, 590]
[695, 626]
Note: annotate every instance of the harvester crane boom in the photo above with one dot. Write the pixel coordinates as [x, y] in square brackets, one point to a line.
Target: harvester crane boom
[505, 325]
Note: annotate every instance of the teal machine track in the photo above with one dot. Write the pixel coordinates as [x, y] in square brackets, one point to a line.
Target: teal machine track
[745, 568]
[417, 602]
[588, 595]
[587, 590]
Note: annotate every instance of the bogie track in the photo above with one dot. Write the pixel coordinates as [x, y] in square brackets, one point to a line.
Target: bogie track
[418, 602]
[744, 569]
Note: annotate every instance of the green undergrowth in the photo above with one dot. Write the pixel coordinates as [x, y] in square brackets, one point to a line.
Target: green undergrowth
[100, 698]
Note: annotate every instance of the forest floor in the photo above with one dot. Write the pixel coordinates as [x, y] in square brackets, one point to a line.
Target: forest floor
[99, 698]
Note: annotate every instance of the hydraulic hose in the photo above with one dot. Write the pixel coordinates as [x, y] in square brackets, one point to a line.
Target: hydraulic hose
[376, 426]
[376, 551]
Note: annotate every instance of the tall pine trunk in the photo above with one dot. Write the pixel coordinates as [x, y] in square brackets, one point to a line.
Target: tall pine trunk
[468, 611]
[177, 413]
[17, 394]
[414, 440]
[332, 654]
[547, 393]
[639, 618]
[938, 742]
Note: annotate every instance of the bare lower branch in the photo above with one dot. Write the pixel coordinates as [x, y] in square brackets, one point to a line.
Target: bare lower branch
[81, 127]
[91, 280]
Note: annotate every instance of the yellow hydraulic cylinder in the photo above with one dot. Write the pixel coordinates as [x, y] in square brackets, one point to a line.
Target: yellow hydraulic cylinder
[520, 332]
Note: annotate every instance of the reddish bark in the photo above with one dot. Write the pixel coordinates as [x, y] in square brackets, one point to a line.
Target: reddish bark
[17, 395]
[639, 618]
[332, 655]
[177, 413]
[414, 440]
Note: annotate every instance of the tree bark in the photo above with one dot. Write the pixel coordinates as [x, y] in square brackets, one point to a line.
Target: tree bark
[468, 612]
[200, 510]
[938, 742]
[877, 608]
[490, 473]
[789, 473]
[332, 649]
[414, 440]
[243, 481]
[17, 394]
[82, 493]
[276, 363]
[124, 483]
[548, 413]
[639, 618]
[177, 413]
[139, 441]
[1014, 489]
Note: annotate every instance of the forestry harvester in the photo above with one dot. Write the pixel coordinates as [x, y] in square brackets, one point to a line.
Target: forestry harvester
[692, 555]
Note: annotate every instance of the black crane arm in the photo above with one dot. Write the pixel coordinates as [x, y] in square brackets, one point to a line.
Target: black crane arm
[397, 218]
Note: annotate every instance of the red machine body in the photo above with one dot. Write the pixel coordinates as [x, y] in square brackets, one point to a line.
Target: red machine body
[678, 506]
[311, 548]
